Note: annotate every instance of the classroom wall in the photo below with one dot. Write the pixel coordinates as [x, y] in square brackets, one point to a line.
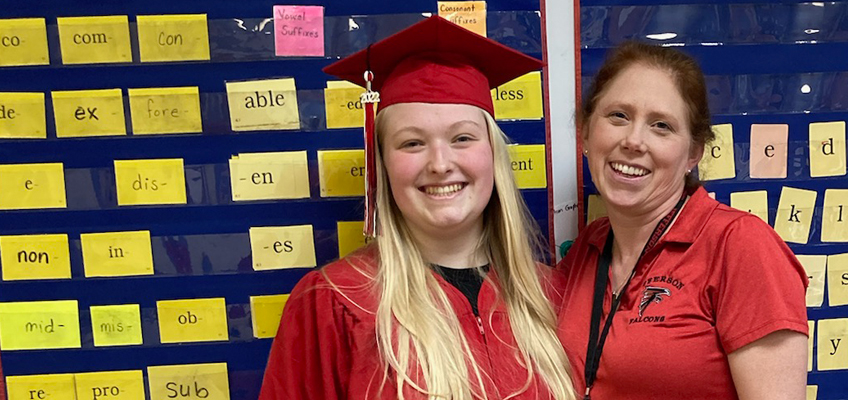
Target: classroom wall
[776, 77]
[199, 264]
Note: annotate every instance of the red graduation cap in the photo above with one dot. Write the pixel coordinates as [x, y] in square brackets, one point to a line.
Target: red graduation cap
[433, 61]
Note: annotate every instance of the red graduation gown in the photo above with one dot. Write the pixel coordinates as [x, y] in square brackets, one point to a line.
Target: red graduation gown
[326, 346]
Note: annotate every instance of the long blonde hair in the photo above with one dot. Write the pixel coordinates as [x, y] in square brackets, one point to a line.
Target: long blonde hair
[418, 333]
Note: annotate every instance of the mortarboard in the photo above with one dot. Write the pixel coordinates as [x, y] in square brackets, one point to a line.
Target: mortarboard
[432, 61]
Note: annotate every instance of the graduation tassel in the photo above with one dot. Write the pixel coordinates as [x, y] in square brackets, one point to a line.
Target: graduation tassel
[369, 99]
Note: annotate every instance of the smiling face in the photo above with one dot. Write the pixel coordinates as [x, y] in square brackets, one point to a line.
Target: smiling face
[638, 142]
[439, 164]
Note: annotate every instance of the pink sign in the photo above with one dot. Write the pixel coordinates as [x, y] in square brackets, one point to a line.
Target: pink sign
[299, 30]
[769, 148]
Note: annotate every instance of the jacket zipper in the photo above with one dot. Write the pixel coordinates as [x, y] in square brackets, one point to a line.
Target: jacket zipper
[480, 326]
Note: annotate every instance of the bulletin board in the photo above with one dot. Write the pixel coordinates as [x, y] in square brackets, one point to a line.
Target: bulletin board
[147, 236]
[777, 81]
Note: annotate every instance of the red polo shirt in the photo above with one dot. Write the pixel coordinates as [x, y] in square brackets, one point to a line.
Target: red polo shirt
[326, 346]
[719, 279]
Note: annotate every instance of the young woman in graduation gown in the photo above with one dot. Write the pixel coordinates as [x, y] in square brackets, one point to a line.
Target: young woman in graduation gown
[448, 301]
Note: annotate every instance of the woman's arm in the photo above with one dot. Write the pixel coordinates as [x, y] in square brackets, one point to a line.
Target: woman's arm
[761, 313]
[774, 367]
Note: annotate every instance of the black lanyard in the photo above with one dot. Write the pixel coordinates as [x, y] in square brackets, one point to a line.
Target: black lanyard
[596, 345]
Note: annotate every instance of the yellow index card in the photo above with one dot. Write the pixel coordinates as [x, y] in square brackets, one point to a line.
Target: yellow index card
[755, 202]
[837, 280]
[201, 381]
[832, 353]
[194, 320]
[22, 115]
[718, 161]
[91, 40]
[795, 214]
[143, 182]
[30, 186]
[23, 41]
[277, 247]
[468, 14]
[343, 106]
[117, 253]
[265, 176]
[341, 173]
[41, 387]
[263, 105]
[35, 257]
[520, 98]
[834, 216]
[39, 325]
[811, 328]
[165, 110]
[116, 325]
[111, 385]
[812, 392]
[595, 209]
[350, 236]
[344, 85]
[82, 113]
[265, 313]
[815, 267]
[172, 37]
[529, 166]
[827, 149]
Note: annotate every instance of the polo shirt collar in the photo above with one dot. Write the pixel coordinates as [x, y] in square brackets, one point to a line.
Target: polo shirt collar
[693, 218]
[598, 237]
[689, 223]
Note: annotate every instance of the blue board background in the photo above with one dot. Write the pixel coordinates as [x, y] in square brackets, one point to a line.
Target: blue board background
[187, 239]
[757, 56]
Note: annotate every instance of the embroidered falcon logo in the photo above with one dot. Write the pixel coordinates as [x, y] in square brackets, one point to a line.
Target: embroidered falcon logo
[652, 295]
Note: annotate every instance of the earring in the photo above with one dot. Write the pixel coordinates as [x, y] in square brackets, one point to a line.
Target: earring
[585, 152]
[688, 171]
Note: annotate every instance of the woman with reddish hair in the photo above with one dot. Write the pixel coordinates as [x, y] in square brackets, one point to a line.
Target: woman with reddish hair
[673, 295]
